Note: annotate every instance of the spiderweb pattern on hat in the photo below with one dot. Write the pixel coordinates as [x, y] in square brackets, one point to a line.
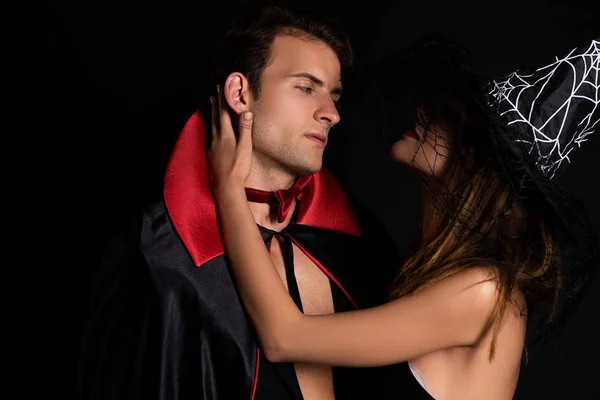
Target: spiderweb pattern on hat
[556, 105]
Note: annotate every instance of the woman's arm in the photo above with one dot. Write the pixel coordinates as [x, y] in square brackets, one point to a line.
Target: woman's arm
[453, 312]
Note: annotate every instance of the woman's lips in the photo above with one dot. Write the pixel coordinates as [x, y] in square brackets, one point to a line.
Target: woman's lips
[410, 134]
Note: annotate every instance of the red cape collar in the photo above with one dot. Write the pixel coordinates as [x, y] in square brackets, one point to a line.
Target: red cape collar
[191, 206]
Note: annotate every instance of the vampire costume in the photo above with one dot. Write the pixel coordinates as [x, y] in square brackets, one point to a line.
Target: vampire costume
[166, 322]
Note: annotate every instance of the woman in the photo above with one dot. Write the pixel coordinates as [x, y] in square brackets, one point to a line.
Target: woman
[495, 261]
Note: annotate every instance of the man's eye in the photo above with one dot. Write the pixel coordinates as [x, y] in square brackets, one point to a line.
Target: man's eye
[306, 89]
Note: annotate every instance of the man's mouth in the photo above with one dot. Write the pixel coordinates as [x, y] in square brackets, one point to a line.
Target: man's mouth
[318, 138]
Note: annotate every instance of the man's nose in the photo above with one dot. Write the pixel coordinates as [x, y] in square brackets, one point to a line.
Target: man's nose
[328, 112]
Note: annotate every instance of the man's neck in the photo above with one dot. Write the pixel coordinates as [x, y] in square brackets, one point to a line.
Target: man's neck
[267, 174]
[269, 179]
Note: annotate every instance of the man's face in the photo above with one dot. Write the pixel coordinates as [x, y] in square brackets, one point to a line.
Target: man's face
[296, 106]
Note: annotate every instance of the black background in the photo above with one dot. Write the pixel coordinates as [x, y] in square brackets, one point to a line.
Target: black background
[116, 80]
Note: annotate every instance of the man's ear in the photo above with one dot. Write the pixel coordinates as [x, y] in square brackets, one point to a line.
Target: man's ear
[237, 93]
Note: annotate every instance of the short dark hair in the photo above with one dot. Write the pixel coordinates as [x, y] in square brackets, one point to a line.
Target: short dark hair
[246, 45]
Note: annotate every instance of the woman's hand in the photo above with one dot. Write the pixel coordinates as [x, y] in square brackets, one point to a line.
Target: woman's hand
[230, 158]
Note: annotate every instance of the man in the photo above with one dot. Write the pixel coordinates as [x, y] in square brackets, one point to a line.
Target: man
[166, 321]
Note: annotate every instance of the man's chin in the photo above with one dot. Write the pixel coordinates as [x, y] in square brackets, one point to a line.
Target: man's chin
[306, 170]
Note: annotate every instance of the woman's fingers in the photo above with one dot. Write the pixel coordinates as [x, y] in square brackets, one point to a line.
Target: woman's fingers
[245, 139]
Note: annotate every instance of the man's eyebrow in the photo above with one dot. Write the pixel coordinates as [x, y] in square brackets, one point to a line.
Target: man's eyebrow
[336, 90]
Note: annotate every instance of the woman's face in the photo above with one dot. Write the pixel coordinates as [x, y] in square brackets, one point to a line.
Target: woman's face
[425, 150]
